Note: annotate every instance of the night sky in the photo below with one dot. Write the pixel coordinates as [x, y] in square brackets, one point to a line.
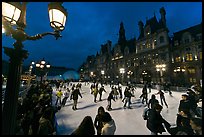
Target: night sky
[91, 24]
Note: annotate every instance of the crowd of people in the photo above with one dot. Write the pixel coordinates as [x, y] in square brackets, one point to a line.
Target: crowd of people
[36, 112]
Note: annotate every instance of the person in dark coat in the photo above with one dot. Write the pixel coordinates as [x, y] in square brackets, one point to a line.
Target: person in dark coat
[184, 108]
[155, 120]
[110, 97]
[162, 97]
[74, 96]
[152, 102]
[128, 96]
[120, 92]
[86, 127]
[144, 94]
[98, 120]
[193, 102]
[100, 92]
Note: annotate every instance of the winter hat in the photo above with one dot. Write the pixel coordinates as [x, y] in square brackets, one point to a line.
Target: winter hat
[106, 117]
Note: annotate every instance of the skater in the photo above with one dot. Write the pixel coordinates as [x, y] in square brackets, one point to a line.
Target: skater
[162, 97]
[66, 95]
[144, 94]
[149, 86]
[120, 92]
[98, 120]
[155, 120]
[59, 95]
[152, 102]
[95, 92]
[100, 92]
[127, 98]
[74, 96]
[110, 97]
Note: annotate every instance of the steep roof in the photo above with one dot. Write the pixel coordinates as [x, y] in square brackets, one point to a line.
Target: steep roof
[154, 24]
[194, 30]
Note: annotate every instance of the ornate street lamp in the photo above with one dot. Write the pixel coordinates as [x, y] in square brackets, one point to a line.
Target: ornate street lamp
[43, 67]
[161, 68]
[30, 72]
[122, 71]
[102, 73]
[14, 24]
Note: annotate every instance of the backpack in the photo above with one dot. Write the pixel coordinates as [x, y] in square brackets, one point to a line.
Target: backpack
[145, 113]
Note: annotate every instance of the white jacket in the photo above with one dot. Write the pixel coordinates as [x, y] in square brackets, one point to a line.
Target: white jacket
[109, 128]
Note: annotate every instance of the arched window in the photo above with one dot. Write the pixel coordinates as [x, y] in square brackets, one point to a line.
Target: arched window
[161, 39]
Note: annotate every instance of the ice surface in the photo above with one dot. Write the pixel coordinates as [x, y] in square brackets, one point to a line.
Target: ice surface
[128, 121]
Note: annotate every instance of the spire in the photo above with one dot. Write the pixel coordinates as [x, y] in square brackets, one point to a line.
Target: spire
[122, 37]
[163, 14]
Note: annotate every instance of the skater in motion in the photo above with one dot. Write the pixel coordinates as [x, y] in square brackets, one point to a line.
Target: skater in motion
[162, 97]
[66, 95]
[127, 98]
[110, 97]
[59, 95]
[152, 102]
[155, 120]
[74, 96]
[144, 94]
[100, 92]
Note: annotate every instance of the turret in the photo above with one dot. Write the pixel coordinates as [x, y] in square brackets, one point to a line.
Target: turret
[163, 14]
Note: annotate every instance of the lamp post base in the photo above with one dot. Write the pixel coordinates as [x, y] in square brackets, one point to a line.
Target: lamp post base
[12, 89]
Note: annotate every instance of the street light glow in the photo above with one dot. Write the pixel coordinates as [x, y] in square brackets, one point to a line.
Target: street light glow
[122, 70]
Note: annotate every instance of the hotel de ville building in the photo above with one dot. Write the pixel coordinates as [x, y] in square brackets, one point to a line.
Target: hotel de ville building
[152, 57]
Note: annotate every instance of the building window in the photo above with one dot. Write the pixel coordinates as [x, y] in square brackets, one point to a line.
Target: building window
[200, 55]
[178, 59]
[148, 45]
[186, 41]
[189, 57]
[161, 39]
[192, 80]
[191, 70]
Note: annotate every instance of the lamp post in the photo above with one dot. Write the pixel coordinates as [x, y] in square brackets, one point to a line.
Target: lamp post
[161, 68]
[14, 24]
[30, 72]
[180, 78]
[42, 66]
[129, 76]
[144, 76]
[92, 76]
[102, 73]
[122, 71]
